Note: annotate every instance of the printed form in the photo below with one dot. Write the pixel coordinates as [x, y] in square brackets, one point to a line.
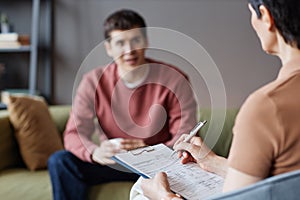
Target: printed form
[188, 180]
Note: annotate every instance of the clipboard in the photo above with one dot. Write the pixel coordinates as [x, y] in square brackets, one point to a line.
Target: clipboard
[134, 152]
[188, 180]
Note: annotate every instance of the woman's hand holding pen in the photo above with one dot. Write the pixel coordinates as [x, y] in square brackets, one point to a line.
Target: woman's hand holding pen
[190, 151]
[196, 151]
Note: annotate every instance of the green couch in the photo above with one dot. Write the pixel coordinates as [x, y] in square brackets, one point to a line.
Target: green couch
[17, 182]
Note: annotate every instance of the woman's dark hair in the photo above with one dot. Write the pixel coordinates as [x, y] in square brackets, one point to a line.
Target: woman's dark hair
[255, 5]
[124, 20]
[286, 15]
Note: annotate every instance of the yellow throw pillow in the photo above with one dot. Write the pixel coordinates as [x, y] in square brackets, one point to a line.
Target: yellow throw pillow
[35, 130]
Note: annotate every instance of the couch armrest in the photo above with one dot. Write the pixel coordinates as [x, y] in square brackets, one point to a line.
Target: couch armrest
[9, 152]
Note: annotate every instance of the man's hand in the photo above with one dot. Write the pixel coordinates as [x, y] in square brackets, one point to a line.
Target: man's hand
[129, 144]
[104, 152]
[107, 149]
[158, 188]
[197, 151]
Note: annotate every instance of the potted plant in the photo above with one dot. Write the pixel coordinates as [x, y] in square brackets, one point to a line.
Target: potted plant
[4, 23]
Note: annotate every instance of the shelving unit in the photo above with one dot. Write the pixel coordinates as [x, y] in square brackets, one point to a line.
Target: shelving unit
[33, 48]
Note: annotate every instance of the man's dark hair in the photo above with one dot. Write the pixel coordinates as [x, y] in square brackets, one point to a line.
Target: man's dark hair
[124, 20]
[286, 15]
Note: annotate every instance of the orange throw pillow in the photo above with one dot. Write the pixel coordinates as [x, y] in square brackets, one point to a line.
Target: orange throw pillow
[35, 130]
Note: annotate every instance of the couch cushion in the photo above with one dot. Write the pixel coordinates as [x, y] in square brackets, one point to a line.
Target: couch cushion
[24, 184]
[35, 130]
[113, 190]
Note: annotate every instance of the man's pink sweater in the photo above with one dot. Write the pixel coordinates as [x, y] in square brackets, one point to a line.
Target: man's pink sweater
[158, 110]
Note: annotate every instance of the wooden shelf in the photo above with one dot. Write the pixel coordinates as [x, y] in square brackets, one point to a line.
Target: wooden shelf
[21, 49]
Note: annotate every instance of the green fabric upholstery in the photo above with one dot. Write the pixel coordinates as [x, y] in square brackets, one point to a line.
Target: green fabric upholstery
[20, 183]
[60, 115]
[17, 182]
[114, 190]
[224, 140]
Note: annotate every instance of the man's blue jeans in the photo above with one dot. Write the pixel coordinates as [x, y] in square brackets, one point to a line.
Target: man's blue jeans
[71, 177]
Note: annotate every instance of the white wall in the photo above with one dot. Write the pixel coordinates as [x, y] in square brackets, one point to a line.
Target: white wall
[222, 27]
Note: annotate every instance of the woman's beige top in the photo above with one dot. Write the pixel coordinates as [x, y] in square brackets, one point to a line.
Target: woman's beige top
[266, 139]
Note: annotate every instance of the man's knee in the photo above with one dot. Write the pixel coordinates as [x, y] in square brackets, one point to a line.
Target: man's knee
[58, 158]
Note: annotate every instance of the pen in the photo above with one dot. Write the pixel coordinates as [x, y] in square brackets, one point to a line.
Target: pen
[194, 131]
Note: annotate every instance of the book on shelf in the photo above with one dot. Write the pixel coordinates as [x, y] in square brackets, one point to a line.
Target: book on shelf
[10, 45]
[13, 40]
[8, 37]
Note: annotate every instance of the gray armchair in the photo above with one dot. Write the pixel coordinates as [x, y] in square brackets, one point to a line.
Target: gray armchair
[283, 186]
